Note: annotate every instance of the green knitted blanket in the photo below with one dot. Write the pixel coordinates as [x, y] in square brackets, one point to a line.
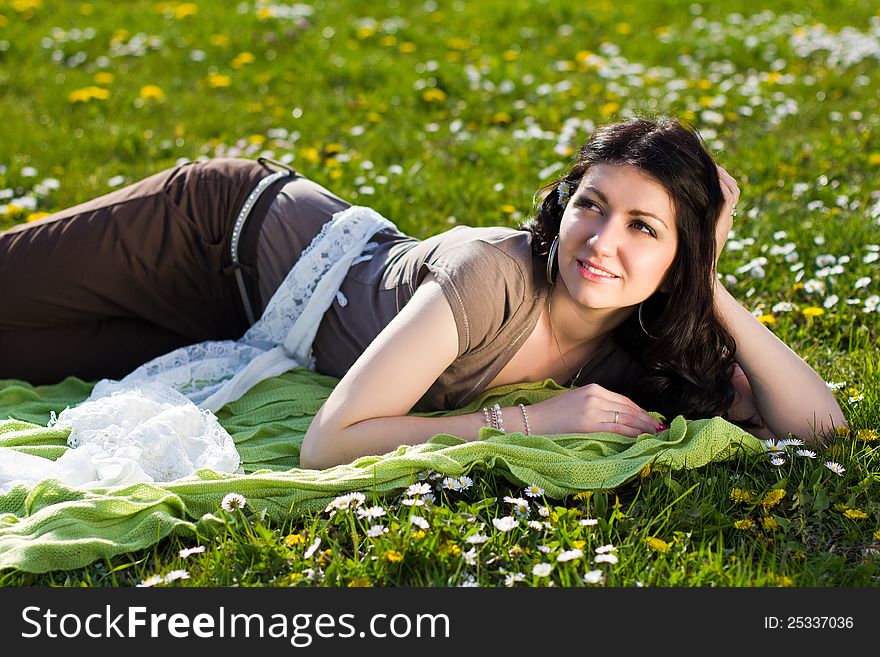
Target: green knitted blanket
[50, 526]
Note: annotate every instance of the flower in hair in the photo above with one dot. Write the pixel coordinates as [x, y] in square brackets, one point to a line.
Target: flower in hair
[563, 192]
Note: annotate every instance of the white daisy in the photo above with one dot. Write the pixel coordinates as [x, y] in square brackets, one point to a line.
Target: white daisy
[544, 511]
[371, 512]
[806, 453]
[233, 501]
[836, 468]
[541, 569]
[465, 482]
[534, 524]
[419, 522]
[777, 461]
[451, 483]
[512, 578]
[175, 575]
[185, 552]
[594, 577]
[418, 489]
[543, 549]
[602, 549]
[534, 491]
[312, 548]
[345, 502]
[505, 524]
[605, 558]
[476, 539]
[772, 446]
[570, 555]
[153, 580]
[791, 442]
[376, 531]
[588, 522]
[413, 501]
[470, 557]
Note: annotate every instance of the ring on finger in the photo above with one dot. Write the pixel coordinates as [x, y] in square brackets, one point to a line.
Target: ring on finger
[733, 211]
[616, 416]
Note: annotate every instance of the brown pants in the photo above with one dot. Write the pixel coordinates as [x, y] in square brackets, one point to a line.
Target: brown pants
[100, 288]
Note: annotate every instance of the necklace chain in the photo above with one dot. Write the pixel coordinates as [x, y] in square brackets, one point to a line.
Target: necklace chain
[553, 333]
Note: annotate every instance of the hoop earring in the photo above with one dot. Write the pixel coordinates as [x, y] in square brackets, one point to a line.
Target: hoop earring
[642, 324]
[551, 256]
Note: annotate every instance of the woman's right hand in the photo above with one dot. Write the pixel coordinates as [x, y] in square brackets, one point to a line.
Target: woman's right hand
[589, 409]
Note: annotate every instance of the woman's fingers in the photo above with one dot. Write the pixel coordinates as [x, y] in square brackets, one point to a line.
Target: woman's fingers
[623, 421]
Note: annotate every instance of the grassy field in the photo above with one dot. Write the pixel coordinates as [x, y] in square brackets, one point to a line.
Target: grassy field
[439, 113]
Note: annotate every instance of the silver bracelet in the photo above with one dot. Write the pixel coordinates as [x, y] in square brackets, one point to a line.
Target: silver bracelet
[525, 419]
[499, 421]
[487, 418]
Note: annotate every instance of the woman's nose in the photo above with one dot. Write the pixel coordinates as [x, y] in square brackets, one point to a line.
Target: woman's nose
[606, 239]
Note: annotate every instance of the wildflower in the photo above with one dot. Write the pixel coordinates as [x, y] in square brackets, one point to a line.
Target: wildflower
[505, 524]
[602, 549]
[345, 502]
[233, 502]
[419, 534]
[512, 578]
[812, 311]
[433, 95]
[588, 522]
[594, 577]
[152, 580]
[570, 555]
[772, 446]
[476, 539]
[292, 540]
[312, 548]
[393, 556]
[876, 535]
[186, 552]
[418, 489]
[419, 522]
[534, 491]
[544, 511]
[451, 483]
[152, 92]
[740, 495]
[656, 544]
[769, 523]
[855, 514]
[583, 496]
[605, 558]
[465, 482]
[371, 512]
[413, 501]
[790, 442]
[807, 453]
[360, 582]
[377, 530]
[867, 435]
[835, 467]
[772, 498]
[175, 575]
[541, 569]
[534, 524]
[218, 81]
[470, 557]
[777, 461]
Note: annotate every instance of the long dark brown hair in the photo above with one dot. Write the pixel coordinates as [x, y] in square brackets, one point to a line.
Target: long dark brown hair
[688, 357]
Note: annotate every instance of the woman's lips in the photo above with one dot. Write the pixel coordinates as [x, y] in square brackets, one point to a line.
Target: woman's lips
[593, 273]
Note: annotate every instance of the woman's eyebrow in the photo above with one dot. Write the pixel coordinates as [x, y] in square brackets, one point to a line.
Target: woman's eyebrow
[634, 213]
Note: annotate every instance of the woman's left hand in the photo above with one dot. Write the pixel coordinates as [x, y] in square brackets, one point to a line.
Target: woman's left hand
[730, 191]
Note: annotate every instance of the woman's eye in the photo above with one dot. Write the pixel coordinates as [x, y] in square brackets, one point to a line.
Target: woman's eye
[587, 204]
[644, 228]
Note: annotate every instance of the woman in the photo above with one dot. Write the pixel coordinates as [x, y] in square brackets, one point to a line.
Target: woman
[610, 289]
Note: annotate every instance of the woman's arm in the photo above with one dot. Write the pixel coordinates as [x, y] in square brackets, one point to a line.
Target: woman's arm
[789, 395]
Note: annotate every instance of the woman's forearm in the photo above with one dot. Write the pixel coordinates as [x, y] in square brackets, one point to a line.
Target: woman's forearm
[325, 446]
[789, 394]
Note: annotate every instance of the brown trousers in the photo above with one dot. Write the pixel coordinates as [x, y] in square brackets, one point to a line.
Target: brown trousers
[100, 288]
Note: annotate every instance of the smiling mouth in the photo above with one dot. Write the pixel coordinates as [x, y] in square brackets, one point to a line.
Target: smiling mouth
[593, 270]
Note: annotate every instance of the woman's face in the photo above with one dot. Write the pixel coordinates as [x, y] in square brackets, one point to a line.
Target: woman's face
[621, 221]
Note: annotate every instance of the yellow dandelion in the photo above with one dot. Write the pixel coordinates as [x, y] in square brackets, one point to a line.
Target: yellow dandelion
[623, 28]
[704, 84]
[293, 540]
[841, 432]
[257, 139]
[359, 582]
[812, 311]
[645, 471]
[419, 534]
[501, 118]
[407, 47]
[508, 209]
[325, 558]
[374, 117]
[769, 523]
[841, 507]
[152, 92]
[457, 43]
[103, 77]
[451, 549]
[218, 81]
[33, 216]
[773, 77]
[583, 496]
[609, 108]
[876, 535]
[656, 544]
[219, 40]
[333, 149]
[393, 556]
[766, 319]
[312, 155]
[186, 9]
[86, 9]
[866, 435]
[510, 55]
[743, 524]
[242, 59]
[855, 514]
[874, 159]
[578, 544]
[772, 498]
[254, 108]
[434, 95]
[264, 13]
[740, 495]
[365, 32]
[784, 580]
[23, 6]
[13, 209]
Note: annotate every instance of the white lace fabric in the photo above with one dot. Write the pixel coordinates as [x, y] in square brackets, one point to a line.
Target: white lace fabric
[148, 427]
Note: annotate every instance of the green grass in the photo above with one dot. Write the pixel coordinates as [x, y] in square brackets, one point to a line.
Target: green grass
[346, 87]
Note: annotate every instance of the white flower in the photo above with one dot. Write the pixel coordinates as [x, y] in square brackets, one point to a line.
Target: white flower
[543, 549]
[470, 557]
[534, 491]
[569, 555]
[451, 483]
[772, 446]
[371, 512]
[185, 552]
[175, 575]
[541, 569]
[413, 501]
[864, 281]
[419, 522]
[808, 453]
[312, 548]
[153, 580]
[544, 511]
[345, 502]
[602, 549]
[830, 301]
[512, 578]
[377, 530]
[516, 501]
[836, 468]
[465, 482]
[233, 501]
[476, 539]
[605, 558]
[505, 524]
[777, 461]
[594, 577]
[418, 489]
[589, 522]
[469, 581]
[534, 524]
[791, 442]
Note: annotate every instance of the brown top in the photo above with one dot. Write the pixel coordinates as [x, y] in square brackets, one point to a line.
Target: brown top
[496, 289]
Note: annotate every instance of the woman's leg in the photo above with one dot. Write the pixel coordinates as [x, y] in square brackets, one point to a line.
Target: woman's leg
[96, 290]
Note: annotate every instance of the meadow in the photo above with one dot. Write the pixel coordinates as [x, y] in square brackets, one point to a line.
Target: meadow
[440, 113]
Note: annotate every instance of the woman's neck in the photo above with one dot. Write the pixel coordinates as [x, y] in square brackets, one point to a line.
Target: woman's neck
[576, 326]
